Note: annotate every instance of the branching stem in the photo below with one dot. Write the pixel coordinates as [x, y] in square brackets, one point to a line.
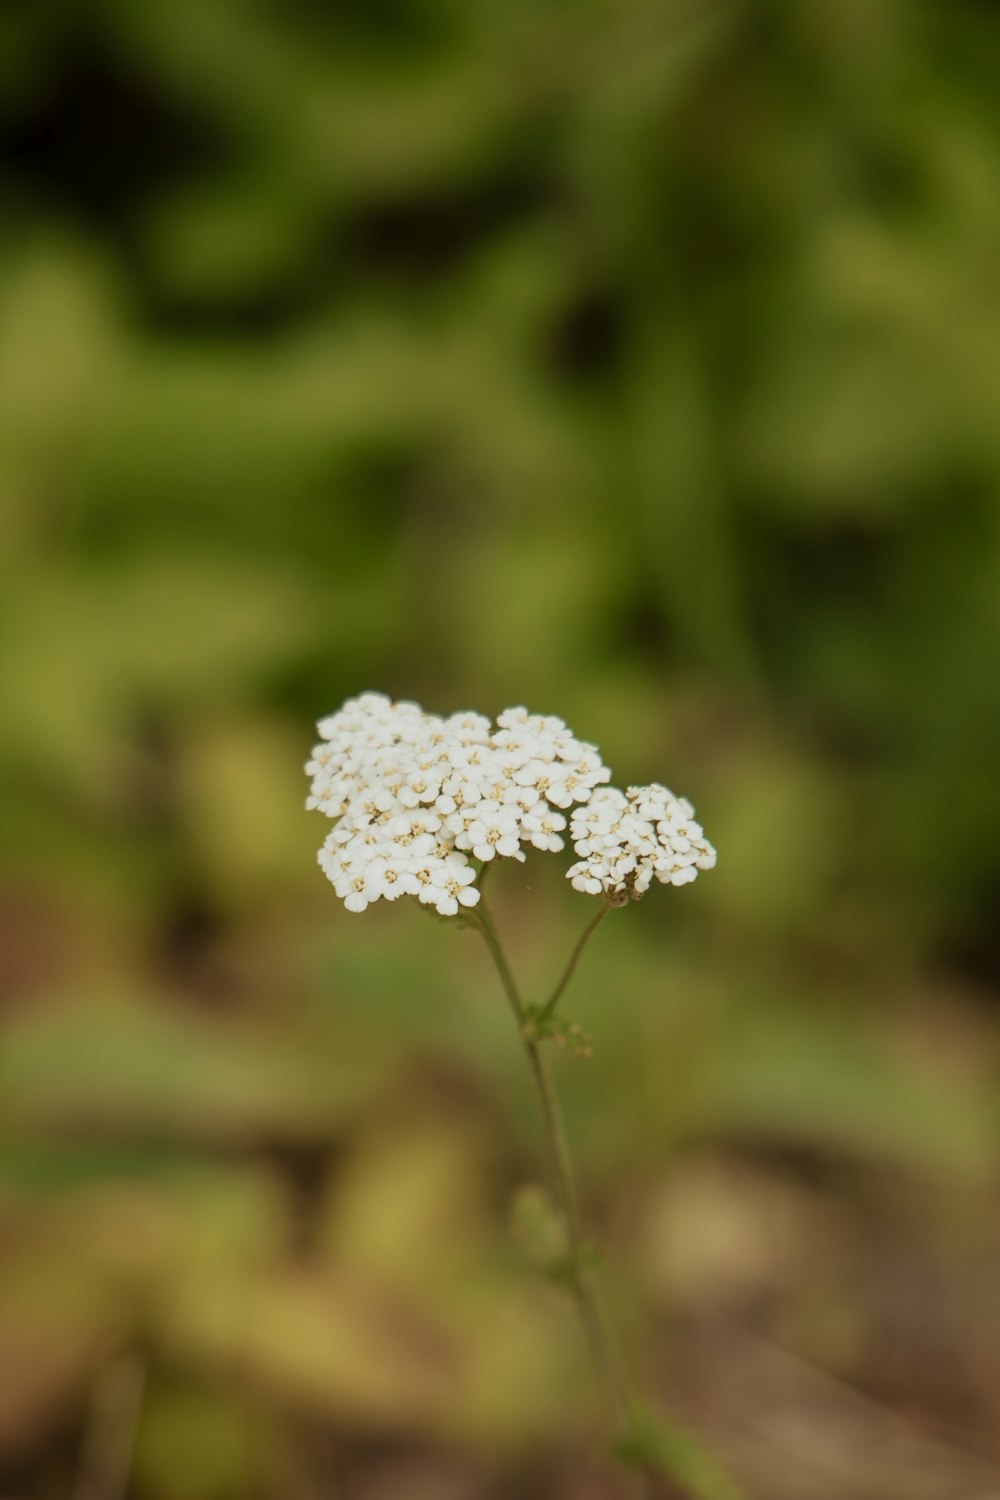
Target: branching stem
[567, 973]
[603, 1353]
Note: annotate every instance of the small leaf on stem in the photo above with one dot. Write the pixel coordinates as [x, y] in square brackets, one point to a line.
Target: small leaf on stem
[540, 1027]
[537, 1229]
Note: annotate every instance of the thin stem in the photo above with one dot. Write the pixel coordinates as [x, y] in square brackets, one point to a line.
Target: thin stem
[602, 1350]
[109, 1440]
[567, 973]
[481, 915]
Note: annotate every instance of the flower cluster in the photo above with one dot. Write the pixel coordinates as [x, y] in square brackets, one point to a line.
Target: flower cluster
[415, 796]
[627, 839]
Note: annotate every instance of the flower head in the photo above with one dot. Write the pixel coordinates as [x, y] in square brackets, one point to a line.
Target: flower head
[415, 797]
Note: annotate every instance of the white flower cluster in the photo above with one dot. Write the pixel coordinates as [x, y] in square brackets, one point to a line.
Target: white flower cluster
[627, 839]
[416, 796]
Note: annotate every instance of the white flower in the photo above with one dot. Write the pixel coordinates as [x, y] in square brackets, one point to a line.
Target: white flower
[451, 885]
[493, 831]
[543, 828]
[582, 878]
[415, 829]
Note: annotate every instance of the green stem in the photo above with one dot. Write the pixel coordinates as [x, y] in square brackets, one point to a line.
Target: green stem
[481, 916]
[602, 1350]
[567, 973]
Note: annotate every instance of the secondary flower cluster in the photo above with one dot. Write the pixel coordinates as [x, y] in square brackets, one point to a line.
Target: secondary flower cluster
[416, 797]
[628, 839]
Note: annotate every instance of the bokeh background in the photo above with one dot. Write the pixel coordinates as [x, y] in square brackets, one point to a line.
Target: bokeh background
[637, 360]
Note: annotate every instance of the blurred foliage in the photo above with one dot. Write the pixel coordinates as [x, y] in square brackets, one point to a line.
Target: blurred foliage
[635, 359]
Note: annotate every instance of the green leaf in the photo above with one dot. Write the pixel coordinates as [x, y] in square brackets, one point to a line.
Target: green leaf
[653, 1444]
[536, 1229]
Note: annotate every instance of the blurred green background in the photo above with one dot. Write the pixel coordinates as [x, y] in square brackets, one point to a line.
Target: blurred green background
[637, 360]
